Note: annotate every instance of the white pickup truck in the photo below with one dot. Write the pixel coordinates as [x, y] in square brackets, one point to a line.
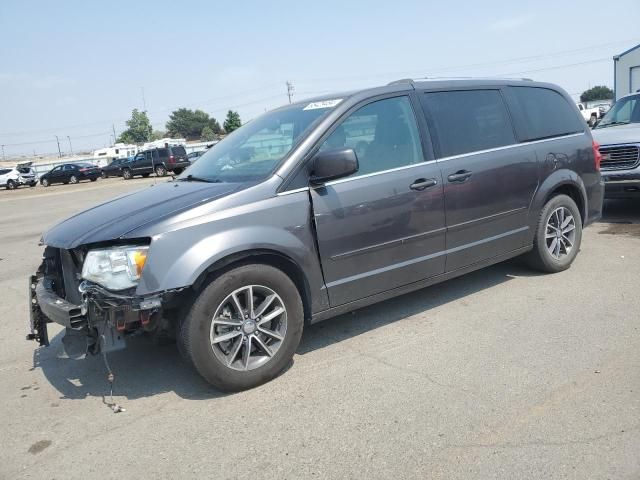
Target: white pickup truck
[590, 115]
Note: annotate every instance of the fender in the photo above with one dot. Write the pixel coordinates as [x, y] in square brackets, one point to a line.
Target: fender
[557, 179]
[178, 258]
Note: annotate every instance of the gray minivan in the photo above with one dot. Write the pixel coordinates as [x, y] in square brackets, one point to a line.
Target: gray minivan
[319, 208]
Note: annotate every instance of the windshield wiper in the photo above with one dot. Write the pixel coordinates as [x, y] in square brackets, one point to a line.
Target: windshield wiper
[611, 124]
[191, 178]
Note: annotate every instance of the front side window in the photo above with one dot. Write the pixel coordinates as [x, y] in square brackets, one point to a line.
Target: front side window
[384, 135]
[254, 150]
[626, 110]
[546, 113]
[469, 121]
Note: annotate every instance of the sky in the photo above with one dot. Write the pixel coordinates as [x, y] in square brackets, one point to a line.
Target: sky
[76, 69]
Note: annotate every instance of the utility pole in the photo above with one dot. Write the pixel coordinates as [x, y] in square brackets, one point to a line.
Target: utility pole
[290, 90]
[70, 147]
[114, 133]
[3, 153]
[144, 103]
[58, 142]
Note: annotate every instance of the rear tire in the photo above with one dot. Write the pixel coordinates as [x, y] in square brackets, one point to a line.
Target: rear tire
[161, 171]
[73, 179]
[145, 175]
[557, 237]
[44, 182]
[93, 179]
[126, 174]
[11, 185]
[226, 364]
[177, 171]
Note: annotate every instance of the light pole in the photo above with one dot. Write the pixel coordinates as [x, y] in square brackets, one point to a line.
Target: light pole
[70, 148]
[3, 153]
[58, 142]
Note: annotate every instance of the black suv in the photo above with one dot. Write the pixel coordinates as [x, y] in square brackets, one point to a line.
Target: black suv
[156, 160]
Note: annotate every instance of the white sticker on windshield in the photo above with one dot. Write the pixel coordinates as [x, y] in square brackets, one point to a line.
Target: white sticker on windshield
[323, 104]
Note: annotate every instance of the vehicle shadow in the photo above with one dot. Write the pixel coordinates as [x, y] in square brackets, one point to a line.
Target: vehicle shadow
[146, 369]
[143, 369]
[390, 311]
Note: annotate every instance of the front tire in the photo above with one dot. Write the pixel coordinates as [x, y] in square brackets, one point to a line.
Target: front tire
[244, 327]
[11, 185]
[558, 236]
[44, 182]
[126, 174]
[73, 179]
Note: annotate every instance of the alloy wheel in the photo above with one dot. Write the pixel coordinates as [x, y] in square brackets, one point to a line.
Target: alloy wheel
[560, 232]
[248, 327]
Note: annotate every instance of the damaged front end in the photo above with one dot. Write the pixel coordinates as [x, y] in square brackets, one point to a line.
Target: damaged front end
[96, 319]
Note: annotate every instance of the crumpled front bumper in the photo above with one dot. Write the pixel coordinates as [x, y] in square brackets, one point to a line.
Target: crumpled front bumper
[98, 324]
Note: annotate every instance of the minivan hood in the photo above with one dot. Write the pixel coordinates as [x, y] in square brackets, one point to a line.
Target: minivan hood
[115, 218]
[629, 133]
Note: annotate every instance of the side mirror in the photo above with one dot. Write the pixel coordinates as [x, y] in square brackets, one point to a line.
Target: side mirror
[333, 164]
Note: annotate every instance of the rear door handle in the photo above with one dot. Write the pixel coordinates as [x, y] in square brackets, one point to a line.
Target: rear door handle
[460, 176]
[423, 183]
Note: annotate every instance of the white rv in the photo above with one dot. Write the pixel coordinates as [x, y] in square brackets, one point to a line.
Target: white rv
[104, 156]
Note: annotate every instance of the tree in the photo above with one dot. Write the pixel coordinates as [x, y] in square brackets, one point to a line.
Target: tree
[207, 134]
[215, 126]
[232, 121]
[138, 128]
[189, 123]
[158, 134]
[599, 92]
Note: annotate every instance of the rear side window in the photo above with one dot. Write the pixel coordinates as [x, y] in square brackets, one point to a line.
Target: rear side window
[468, 120]
[4, 172]
[545, 113]
[161, 152]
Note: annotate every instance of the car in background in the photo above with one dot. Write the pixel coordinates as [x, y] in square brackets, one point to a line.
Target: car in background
[171, 158]
[590, 115]
[193, 156]
[114, 169]
[70, 173]
[22, 174]
[618, 134]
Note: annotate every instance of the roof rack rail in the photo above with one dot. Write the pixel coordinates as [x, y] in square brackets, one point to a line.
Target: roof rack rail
[412, 81]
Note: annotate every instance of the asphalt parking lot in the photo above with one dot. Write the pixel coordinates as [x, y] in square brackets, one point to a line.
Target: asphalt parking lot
[503, 373]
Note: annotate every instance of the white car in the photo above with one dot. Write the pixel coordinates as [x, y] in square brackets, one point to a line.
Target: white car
[22, 174]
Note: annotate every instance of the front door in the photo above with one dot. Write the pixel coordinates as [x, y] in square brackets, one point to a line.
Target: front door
[489, 180]
[382, 227]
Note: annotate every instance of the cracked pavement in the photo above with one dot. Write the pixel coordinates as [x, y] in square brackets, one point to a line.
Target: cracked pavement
[502, 373]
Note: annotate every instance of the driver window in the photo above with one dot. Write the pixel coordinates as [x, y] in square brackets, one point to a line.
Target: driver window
[384, 135]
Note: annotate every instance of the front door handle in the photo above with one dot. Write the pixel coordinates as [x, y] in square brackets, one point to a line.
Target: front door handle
[460, 176]
[423, 183]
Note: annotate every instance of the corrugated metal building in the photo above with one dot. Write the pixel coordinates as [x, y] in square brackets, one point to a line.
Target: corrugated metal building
[626, 72]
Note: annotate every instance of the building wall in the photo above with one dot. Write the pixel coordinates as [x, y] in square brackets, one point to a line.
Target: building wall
[627, 72]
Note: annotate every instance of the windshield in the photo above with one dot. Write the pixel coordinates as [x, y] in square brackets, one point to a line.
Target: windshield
[626, 110]
[254, 150]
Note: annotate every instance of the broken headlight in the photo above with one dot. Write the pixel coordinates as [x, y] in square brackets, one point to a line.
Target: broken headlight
[115, 268]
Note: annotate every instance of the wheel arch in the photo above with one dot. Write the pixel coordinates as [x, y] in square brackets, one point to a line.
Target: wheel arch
[560, 182]
[265, 256]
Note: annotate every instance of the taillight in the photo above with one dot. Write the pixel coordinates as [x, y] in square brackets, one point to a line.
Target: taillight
[172, 159]
[597, 156]
[84, 169]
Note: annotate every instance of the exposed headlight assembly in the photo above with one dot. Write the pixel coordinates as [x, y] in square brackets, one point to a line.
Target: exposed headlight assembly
[115, 268]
